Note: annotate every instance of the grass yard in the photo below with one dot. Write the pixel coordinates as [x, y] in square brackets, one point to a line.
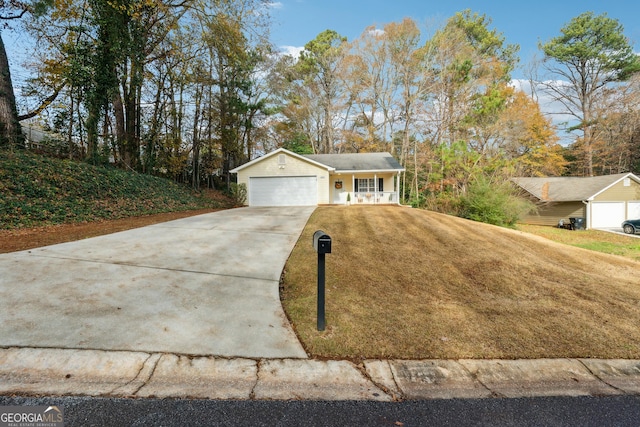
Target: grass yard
[409, 283]
[601, 241]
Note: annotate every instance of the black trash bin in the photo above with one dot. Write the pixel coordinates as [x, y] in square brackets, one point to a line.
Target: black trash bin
[577, 223]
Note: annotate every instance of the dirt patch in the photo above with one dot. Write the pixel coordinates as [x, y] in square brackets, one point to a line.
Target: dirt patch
[29, 238]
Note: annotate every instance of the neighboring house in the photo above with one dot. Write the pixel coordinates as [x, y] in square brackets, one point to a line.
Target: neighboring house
[603, 201]
[284, 178]
[35, 137]
[39, 140]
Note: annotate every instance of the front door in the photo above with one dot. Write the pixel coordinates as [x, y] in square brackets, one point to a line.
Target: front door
[338, 189]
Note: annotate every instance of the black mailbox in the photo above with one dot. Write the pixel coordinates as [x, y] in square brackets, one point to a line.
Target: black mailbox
[321, 242]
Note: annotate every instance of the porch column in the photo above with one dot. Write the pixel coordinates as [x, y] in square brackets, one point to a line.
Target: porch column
[375, 188]
[353, 188]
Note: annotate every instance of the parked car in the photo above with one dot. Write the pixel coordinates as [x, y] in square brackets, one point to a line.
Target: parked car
[631, 226]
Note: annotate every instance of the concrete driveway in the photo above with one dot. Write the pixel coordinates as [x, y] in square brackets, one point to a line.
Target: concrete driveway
[618, 230]
[204, 285]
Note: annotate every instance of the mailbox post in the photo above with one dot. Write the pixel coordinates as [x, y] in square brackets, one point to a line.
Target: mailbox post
[322, 245]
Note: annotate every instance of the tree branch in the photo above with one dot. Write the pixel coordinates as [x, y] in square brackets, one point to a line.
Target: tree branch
[9, 17]
[21, 7]
[45, 103]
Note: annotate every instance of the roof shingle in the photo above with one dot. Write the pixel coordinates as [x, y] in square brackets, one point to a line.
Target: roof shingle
[358, 161]
[567, 189]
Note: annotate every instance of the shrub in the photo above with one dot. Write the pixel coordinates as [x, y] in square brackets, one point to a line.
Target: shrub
[239, 194]
[494, 203]
[443, 202]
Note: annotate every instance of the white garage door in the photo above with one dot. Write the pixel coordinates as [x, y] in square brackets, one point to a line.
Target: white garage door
[607, 214]
[633, 210]
[283, 191]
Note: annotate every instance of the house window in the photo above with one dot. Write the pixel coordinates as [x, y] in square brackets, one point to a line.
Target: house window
[364, 185]
[627, 182]
[367, 185]
[282, 159]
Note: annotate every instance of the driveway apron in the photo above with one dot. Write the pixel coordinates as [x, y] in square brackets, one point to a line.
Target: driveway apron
[204, 285]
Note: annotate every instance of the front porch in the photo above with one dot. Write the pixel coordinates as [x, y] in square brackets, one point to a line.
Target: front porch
[384, 197]
[365, 189]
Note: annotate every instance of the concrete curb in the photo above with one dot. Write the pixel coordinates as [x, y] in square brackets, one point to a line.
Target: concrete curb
[38, 371]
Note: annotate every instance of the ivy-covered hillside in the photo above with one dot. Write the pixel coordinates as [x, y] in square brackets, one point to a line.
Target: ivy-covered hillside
[37, 190]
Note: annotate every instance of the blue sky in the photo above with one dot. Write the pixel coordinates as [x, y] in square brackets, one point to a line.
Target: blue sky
[521, 22]
[295, 22]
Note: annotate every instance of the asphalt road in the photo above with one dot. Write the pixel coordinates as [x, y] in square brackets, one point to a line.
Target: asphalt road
[556, 411]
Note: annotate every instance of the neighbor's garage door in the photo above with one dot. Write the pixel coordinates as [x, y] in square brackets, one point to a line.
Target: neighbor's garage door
[607, 214]
[283, 191]
[633, 210]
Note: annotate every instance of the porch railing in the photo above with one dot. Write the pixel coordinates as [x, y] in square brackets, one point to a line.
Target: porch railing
[373, 198]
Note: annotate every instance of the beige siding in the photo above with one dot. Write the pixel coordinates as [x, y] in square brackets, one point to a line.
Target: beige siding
[347, 180]
[550, 214]
[620, 193]
[292, 166]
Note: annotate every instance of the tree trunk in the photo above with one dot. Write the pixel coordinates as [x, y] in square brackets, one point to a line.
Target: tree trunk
[195, 153]
[70, 129]
[586, 134]
[119, 113]
[10, 131]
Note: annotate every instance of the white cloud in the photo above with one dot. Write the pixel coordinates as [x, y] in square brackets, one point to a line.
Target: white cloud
[291, 50]
[275, 5]
[378, 32]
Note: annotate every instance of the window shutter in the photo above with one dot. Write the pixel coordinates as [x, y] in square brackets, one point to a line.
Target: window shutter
[380, 181]
[356, 184]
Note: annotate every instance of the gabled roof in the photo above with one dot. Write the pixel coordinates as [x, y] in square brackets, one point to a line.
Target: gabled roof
[570, 189]
[358, 162]
[281, 151]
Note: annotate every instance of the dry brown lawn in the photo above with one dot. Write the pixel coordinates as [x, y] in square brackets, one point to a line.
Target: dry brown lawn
[409, 283]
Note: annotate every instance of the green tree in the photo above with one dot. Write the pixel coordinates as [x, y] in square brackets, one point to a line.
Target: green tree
[234, 62]
[128, 32]
[469, 65]
[590, 54]
[319, 64]
[298, 144]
